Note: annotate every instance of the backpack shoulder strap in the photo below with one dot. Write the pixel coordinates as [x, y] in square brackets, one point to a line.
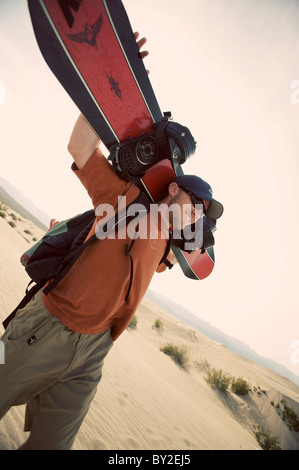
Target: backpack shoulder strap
[68, 262]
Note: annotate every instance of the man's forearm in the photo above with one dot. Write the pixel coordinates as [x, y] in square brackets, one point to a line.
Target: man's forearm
[83, 142]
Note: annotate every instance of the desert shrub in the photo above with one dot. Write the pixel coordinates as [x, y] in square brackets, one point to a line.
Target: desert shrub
[240, 386]
[265, 439]
[158, 324]
[3, 214]
[192, 335]
[133, 323]
[177, 353]
[219, 379]
[259, 391]
[202, 365]
[28, 232]
[289, 415]
[12, 224]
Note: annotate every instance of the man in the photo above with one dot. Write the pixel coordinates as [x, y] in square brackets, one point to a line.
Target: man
[55, 347]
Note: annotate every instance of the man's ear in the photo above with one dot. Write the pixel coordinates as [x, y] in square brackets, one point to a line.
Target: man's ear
[173, 189]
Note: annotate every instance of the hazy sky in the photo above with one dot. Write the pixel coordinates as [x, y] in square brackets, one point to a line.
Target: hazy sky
[225, 69]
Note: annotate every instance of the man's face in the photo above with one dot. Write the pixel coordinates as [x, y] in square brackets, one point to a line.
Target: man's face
[184, 211]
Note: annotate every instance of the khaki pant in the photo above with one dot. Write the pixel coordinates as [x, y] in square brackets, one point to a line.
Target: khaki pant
[54, 370]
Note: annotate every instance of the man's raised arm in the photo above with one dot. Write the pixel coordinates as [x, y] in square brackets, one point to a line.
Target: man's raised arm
[83, 142]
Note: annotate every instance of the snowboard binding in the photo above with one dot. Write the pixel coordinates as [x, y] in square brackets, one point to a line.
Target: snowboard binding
[170, 140]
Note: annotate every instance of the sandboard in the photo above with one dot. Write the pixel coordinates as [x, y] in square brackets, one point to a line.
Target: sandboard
[90, 47]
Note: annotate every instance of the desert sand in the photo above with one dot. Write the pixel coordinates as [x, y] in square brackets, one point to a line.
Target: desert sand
[145, 400]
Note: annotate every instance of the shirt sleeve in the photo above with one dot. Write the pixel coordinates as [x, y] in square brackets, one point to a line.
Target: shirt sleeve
[102, 183]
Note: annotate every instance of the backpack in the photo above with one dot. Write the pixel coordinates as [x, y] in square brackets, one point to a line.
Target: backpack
[56, 252]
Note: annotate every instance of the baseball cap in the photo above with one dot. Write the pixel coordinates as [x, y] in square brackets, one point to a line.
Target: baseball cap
[202, 190]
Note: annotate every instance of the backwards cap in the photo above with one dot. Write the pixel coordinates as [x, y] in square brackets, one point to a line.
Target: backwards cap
[202, 190]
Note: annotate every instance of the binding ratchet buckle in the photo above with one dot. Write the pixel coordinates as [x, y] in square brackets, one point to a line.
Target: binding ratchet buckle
[170, 140]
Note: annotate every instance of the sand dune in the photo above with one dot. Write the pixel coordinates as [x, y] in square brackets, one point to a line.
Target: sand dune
[147, 401]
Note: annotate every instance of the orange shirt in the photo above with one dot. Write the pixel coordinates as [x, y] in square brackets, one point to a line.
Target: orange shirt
[92, 296]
